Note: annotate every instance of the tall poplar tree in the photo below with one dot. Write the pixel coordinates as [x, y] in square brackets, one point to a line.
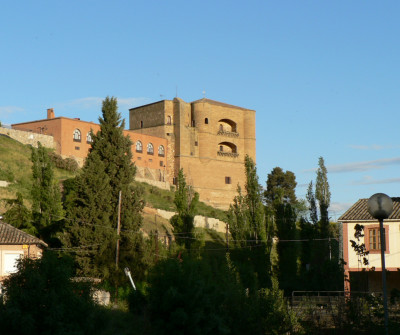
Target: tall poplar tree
[94, 200]
[186, 200]
[323, 195]
[250, 227]
[46, 196]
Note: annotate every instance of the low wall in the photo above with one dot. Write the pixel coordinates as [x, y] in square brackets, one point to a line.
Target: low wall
[26, 137]
[160, 184]
[199, 221]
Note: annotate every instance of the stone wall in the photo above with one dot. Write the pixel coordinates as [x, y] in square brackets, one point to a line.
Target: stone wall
[26, 137]
[199, 221]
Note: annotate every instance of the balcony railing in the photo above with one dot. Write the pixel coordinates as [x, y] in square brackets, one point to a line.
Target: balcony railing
[228, 133]
[228, 154]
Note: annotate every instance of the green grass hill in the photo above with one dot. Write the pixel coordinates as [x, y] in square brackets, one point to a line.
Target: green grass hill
[15, 168]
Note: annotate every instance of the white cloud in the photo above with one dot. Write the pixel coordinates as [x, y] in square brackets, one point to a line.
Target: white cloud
[368, 180]
[363, 166]
[336, 209]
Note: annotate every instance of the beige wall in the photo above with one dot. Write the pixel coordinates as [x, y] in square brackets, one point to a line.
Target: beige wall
[194, 141]
[29, 137]
[392, 254]
[31, 251]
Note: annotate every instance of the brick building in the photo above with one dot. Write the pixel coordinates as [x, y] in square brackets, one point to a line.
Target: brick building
[72, 139]
[207, 139]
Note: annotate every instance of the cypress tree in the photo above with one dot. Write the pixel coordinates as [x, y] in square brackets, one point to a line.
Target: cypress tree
[93, 203]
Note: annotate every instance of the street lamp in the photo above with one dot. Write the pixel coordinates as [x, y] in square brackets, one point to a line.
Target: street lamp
[380, 206]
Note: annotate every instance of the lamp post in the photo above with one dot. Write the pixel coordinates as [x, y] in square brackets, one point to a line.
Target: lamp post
[380, 206]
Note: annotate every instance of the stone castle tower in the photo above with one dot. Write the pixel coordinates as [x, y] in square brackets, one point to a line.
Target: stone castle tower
[207, 139]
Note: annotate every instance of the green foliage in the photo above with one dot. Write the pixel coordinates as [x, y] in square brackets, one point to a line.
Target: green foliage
[247, 215]
[288, 251]
[68, 164]
[251, 227]
[206, 297]
[280, 187]
[46, 196]
[18, 215]
[312, 204]
[42, 299]
[6, 174]
[185, 201]
[323, 195]
[92, 204]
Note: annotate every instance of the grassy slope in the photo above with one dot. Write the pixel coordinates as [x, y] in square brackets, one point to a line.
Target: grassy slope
[15, 166]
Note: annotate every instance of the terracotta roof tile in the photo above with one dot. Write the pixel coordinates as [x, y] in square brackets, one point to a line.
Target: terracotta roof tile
[12, 235]
[359, 211]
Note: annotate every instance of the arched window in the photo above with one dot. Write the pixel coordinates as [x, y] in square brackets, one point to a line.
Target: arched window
[150, 149]
[161, 151]
[77, 135]
[206, 120]
[139, 147]
[169, 120]
[89, 137]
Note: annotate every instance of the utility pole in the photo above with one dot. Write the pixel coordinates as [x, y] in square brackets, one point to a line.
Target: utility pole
[117, 248]
[227, 237]
[118, 229]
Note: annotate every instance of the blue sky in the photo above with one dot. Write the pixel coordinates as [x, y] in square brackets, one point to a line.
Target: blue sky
[323, 77]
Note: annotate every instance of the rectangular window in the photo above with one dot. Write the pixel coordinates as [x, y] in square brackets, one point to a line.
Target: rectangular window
[10, 262]
[161, 163]
[77, 148]
[139, 158]
[196, 143]
[372, 238]
[150, 160]
[228, 180]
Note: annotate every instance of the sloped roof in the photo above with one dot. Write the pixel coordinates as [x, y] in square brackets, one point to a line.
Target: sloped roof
[12, 235]
[359, 211]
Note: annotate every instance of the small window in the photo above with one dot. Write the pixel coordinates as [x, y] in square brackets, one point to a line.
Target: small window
[206, 120]
[141, 124]
[174, 180]
[221, 127]
[193, 123]
[77, 148]
[150, 149]
[221, 148]
[89, 137]
[139, 158]
[374, 239]
[161, 151]
[228, 180]
[139, 147]
[168, 134]
[77, 135]
[196, 144]
[169, 120]
[161, 163]
[150, 160]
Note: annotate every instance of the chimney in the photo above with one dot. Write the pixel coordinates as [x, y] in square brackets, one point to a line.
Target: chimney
[50, 113]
